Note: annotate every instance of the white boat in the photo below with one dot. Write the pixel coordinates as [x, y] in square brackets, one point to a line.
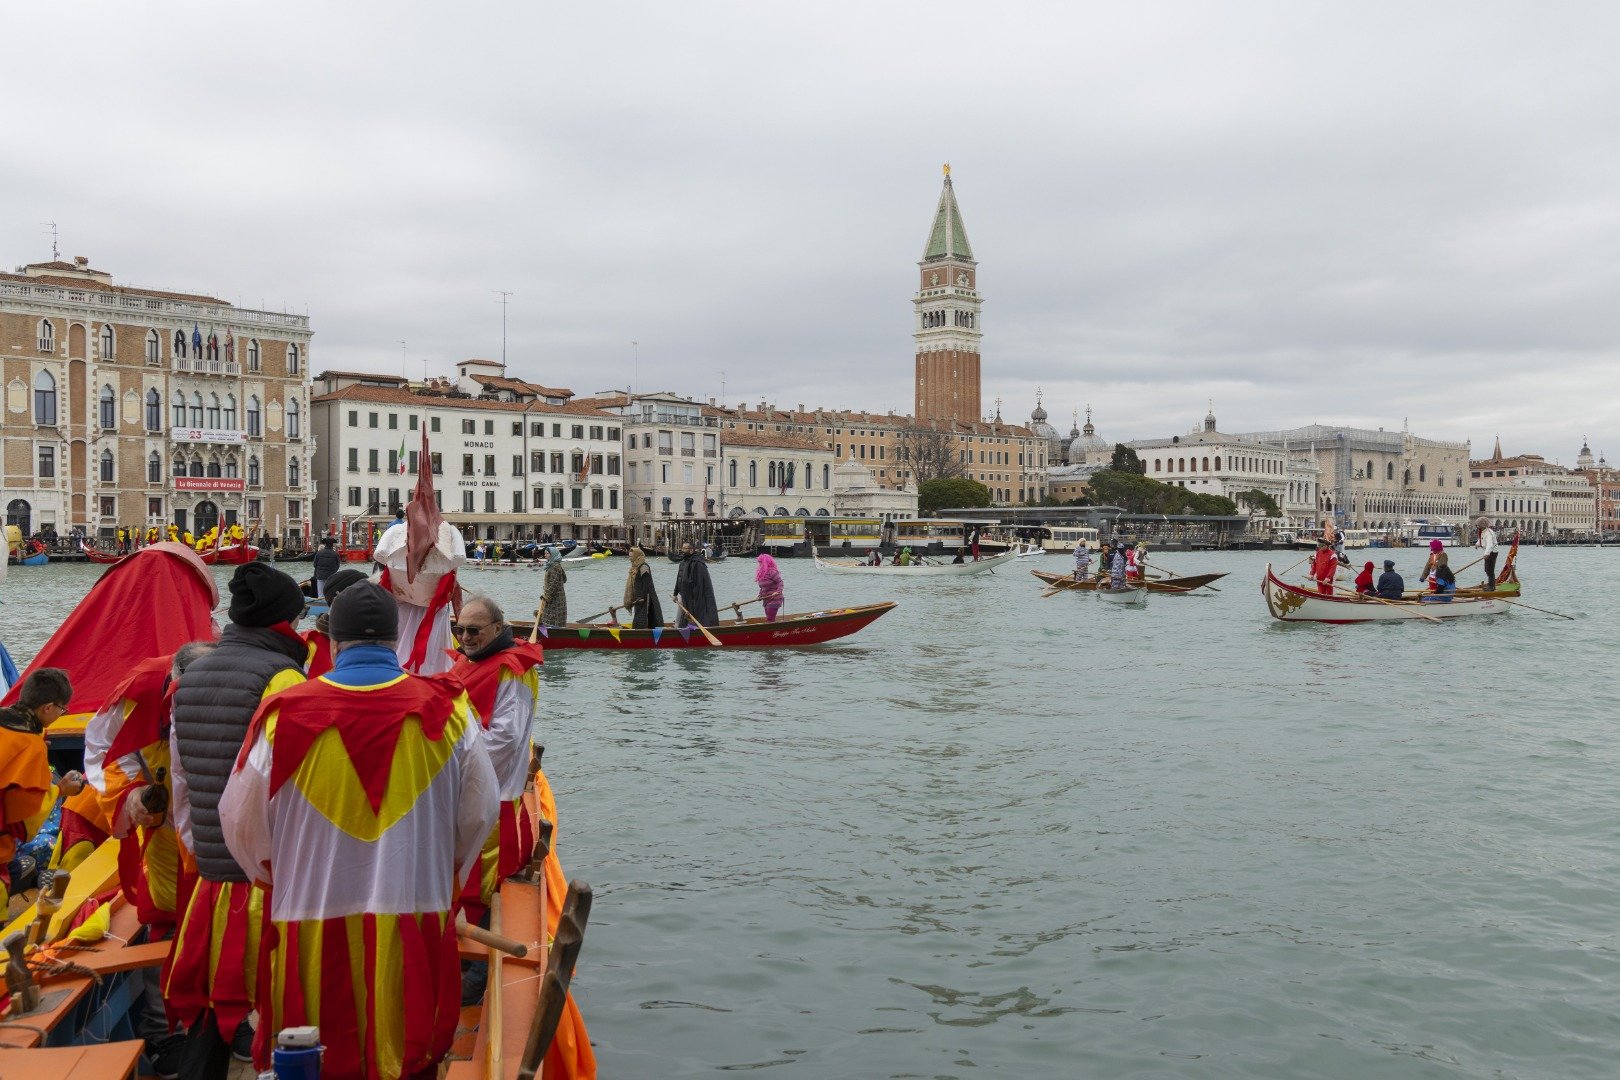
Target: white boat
[916, 569]
[1028, 552]
[1129, 594]
[1299, 603]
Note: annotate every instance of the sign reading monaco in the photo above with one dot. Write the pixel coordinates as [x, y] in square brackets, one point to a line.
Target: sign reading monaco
[209, 483]
[208, 435]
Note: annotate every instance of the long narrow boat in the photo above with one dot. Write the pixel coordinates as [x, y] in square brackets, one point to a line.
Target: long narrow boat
[934, 569]
[38, 558]
[1158, 585]
[230, 554]
[1294, 603]
[96, 555]
[811, 628]
[1129, 594]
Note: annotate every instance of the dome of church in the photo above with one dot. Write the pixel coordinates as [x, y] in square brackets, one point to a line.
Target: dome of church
[1089, 441]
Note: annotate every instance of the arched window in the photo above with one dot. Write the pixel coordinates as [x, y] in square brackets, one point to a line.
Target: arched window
[792, 471]
[1206, 464]
[230, 412]
[1217, 463]
[47, 336]
[732, 470]
[1406, 477]
[253, 415]
[196, 466]
[230, 466]
[294, 359]
[212, 346]
[107, 342]
[213, 411]
[1423, 473]
[253, 470]
[771, 474]
[1181, 464]
[1155, 464]
[292, 472]
[1369, 469]
[196, 409]
[108, 407]
[154, 468]
[253, 355]
[154, 410]
[179, 409]
[45, 397]
[1389, 471]
[180, 344]
[293, 428]
[826, 476]
[213, 466]
[179, 465]
[107, 470]
[154, 346]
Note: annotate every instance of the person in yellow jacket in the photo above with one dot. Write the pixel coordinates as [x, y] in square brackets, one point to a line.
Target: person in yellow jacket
[25, 775]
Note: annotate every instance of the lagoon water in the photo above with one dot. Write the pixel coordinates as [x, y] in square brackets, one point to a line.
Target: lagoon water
[1058, 838]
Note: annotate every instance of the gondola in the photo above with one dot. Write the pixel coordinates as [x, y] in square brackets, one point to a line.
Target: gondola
[810, 628]
[1158, 585]
[916, 569]
[96, 555]
[1296, 603]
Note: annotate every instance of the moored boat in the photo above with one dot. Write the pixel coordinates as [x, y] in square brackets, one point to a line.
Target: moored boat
[1295, 603]
[1159, 585]
[810, 628]
[229, 554]
[916, 569]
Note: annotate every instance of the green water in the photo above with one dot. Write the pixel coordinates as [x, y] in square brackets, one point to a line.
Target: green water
[1059, 838]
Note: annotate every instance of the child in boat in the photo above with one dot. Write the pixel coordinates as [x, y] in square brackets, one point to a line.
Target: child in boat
[1364, 580]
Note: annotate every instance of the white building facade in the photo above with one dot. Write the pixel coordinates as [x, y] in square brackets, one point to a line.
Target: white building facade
[1212, 463]
[771, 475]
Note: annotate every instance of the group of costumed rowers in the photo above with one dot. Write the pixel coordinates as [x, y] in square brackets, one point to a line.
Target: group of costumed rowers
[302, 814]
[1437, 576]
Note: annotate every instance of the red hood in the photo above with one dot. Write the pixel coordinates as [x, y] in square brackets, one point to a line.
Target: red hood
[148, 605]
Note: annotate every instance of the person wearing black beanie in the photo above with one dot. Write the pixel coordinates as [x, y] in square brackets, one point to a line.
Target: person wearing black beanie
[365, 612]
[261, 595]
[319, 638]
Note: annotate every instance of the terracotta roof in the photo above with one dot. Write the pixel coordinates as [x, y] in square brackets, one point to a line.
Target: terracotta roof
[102, 286]
[397, 380]
[847, 418]
[520, 386]
[739, 437]
[1522, 461]
[605, 401]
[389, 395]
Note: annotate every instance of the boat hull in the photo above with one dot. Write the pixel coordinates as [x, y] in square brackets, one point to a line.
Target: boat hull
[1131, 595]
[1158, 585]
[1292, 603]
[960, 569]
[790, 631]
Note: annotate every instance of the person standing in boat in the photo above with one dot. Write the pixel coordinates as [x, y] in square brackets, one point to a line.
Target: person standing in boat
[1082, 560]
[640, 594]
[1324, 566]
[693, 589]
[768, 576]
[211, 983]
[553, 596]
[502, 678]
[361, 842]
[326, 564]
[1486, 542]
[1391, 586]
[1364, 580]
[1117, 569]
[973, 542]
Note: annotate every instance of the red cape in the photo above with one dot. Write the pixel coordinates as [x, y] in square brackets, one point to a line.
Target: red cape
[147, 605]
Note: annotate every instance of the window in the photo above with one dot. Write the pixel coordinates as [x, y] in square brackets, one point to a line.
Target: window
[230, 412]
[517, 502]
[708, 446]
[153, 346]
[253, 416]
[180, 344]
[613, 464]
[412, 464]
[295, 509]
[354, 496]
[292, 472]
[489, 502]
[107, 342]
[517, 464]
[613, 498]
[45, 397]
[733, 473]
[255, 509]
[154, 410]
[489, 427]
[213, 411]
[579, 431]
[826, 475]
[753, 474]
[47, 336]
[467, 502]
[667, 503]
[466, 464]
[433, 423]
[437, 463]
[393, 499]
[537, 462]
[596, 498]
[47, 462]
[613, 434]
[538, 498]
[354, 459]
[557, 463]
[1389, 471]
[107, 410]
[489, 464]
[556, 431]
[107, 468]
[632, 472]
[556, 498]
[393, 462]
[294, 360]
[371, 419]
[537, 430]
[372, 464]
[154, 468]
[253, 470]
[413, 421]
[517, 427]
[255, 356]
[196, 410]
[1423, 473]
[230, 466]
[596, 431]
[469, 427]
[179, 466]
[294, 424]
[373, 500]
[393, 421]
[632, 442]
[213, 467]
[690, 503]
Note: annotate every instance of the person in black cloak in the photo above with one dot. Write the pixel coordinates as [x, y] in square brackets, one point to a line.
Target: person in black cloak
[693, 589]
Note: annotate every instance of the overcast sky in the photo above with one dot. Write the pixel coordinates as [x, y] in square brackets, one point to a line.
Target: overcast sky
[1303, 211]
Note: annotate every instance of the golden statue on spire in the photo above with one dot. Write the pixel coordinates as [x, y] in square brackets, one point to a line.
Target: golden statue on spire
[947, 170]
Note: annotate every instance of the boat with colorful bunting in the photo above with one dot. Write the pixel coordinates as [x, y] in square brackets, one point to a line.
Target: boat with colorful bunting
[788, 631]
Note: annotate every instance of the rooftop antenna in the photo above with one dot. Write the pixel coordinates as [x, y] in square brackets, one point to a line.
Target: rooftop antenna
[503, 294]
[635, 364]
[403, 369]
[55, 257]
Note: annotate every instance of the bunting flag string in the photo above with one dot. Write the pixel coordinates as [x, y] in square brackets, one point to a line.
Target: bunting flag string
[614, 630]
[584, 632]
[542, 630]
[657, 632]
[686, 633]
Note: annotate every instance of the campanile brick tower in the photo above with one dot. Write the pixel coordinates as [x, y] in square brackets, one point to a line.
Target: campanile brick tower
[948, 311]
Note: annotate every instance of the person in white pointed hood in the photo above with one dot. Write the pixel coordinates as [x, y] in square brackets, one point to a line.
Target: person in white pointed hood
[426, 603]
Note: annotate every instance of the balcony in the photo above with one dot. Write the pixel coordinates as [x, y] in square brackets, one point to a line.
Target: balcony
[687, 451]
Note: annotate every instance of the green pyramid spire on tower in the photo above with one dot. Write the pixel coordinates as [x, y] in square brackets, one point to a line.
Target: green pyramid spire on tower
[948, 240]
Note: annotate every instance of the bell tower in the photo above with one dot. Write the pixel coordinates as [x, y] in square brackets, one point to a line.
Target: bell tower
[947, 319]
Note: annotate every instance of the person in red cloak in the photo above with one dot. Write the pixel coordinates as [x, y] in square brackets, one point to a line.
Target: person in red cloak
[1364, 580]
[1324, 566]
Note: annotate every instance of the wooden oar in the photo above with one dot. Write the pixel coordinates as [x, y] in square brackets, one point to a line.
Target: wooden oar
[1060, 586]
[1382, 600]
[693, 622]
[1520, 603]
[1172, 574]
[737, 607]
[488, 940]
[592, 618]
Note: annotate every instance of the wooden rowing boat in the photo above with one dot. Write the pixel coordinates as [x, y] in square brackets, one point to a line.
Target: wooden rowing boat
[1158, 585]
[1295, 603]
[916, 569]
[811, 628]
[1126, 594]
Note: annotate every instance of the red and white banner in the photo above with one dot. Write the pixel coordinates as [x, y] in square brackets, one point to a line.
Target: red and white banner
[209, 483]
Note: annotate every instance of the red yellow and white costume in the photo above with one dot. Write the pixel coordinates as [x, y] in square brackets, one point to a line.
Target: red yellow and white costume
[425, 603]
[362, 809]
[504, 690]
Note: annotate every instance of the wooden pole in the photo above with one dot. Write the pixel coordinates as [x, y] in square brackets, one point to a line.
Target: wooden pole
[488, 940]
[691, 621]
[1520, 603]
[1404, 605]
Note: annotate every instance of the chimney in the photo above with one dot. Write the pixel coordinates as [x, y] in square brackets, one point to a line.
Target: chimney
[711, 403]
[801, 406]
[81, 260]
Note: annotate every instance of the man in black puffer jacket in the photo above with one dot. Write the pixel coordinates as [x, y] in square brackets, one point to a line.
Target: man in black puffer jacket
[211, 987]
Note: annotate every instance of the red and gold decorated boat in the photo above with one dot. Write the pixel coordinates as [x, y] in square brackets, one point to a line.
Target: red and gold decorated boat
[811, 628]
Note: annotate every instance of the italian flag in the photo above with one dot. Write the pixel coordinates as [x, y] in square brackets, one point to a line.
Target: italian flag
[402, 455]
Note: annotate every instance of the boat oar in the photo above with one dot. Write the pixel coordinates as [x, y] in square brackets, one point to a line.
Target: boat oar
[1404, 606]
[693, 622]
[1171, 574]
[1520, 603]
[592, 618]
[1061, 585]
[737, 607]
